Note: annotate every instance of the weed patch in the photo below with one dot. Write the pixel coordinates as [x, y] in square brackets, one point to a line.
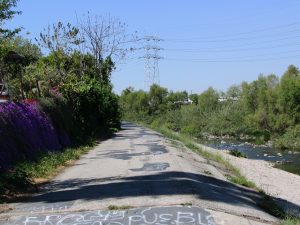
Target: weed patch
[241, 180]
[122, 207]
[290, 221]
[20, 179]
[237, 153]
[187, 204]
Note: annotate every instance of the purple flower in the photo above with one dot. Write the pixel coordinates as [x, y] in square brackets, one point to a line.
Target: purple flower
[26, 131]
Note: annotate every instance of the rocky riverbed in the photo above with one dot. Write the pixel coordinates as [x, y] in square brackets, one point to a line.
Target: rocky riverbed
[285, 160]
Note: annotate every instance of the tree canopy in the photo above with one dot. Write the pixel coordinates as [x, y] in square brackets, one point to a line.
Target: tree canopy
[7, 12]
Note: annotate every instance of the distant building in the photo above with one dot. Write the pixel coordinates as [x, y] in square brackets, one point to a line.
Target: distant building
[187, 101]
[223, 99]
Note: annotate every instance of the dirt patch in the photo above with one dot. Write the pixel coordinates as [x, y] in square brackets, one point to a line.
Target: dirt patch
[4, 208]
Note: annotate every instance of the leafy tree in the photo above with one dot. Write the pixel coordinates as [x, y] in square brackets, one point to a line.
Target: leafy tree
[141, 102]
[15, 55]
[157, 98]
[7, 13]
[177, 96]
[127, 91]
[134, 103]
[60, 38]
[208, 100]
[194, 98]
[234, 91]
[106, 69]
[289, 94]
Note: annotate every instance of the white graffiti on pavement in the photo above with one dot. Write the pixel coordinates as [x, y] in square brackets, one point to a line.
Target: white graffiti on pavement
[149, 216]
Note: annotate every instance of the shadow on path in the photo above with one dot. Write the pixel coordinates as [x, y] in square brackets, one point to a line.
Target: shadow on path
[164, 183]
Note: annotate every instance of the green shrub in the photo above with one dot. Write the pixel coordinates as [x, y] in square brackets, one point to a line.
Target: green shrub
[290, 221]
[237, 153]
[290, 140]
[241, 180]
[190, 129]
[58, 110]
[94, 107]
[172, 120]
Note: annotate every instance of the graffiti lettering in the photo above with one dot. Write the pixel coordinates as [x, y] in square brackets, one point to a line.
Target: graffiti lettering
[149, 216]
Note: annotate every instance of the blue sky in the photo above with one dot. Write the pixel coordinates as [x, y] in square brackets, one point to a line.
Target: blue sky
[206, 43]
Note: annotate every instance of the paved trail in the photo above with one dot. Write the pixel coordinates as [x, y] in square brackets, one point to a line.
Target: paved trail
[138, 168]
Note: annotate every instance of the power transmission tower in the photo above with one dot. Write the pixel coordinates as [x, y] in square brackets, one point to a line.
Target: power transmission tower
[151, 60]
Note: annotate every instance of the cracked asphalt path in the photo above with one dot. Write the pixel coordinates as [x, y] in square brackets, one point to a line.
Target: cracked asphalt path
[139, 169]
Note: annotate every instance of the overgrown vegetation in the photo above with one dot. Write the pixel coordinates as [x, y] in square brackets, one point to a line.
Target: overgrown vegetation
[265, 109]
[290, 221]
[57, 101]
[21, 178]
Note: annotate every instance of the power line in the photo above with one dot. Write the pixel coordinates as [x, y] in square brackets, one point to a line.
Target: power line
[237, 34]
[236, 39]
[266, 54]
[231, 61]
[267, 41]
[218, 50]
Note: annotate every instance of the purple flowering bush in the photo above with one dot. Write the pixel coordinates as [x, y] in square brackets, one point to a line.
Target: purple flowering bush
[25, 132]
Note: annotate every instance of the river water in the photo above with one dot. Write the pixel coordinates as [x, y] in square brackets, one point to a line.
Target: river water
[286, 160]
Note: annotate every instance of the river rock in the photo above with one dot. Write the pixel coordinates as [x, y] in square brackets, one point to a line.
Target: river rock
[269, 144]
